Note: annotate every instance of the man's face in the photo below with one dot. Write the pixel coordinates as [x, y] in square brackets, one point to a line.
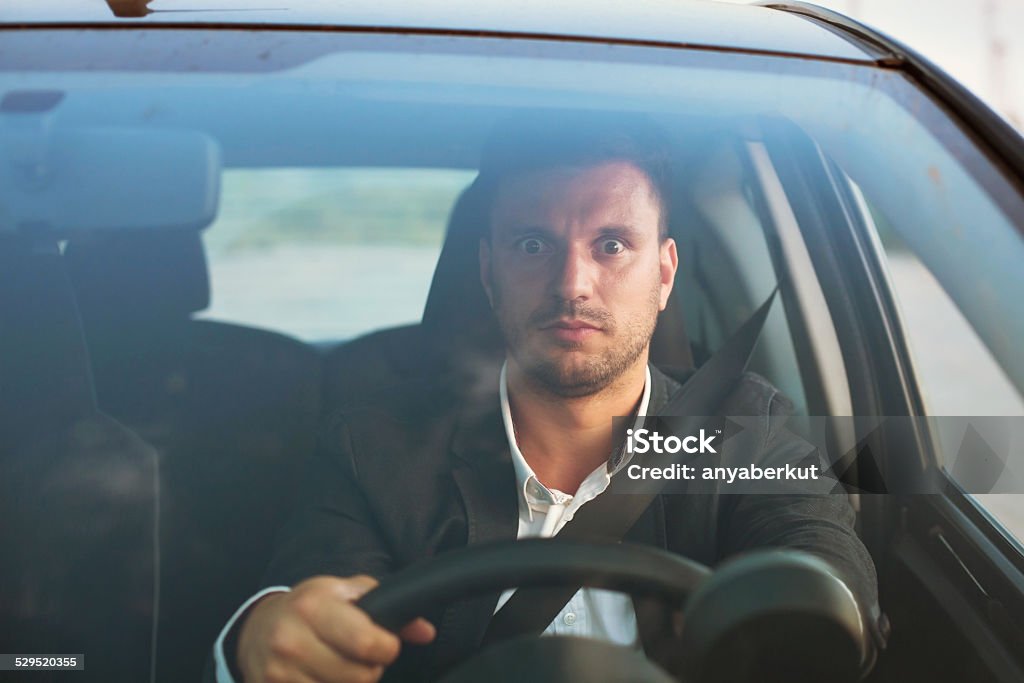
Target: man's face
[576, 272]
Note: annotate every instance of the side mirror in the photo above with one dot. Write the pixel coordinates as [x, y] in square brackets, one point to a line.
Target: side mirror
[774, 616]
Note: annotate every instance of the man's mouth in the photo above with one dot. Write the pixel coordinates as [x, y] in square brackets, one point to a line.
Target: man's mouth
[571, 330]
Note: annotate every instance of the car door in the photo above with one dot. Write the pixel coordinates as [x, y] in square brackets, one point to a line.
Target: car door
[918, 259]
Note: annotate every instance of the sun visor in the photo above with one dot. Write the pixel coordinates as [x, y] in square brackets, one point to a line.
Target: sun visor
[74, 181]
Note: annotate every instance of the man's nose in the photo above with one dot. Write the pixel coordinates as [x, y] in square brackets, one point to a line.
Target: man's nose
[575, 278]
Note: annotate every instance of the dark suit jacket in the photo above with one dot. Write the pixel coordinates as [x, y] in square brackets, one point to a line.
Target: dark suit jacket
[424, 468]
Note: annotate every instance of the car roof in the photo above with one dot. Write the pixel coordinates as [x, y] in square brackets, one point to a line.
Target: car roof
[698, 23]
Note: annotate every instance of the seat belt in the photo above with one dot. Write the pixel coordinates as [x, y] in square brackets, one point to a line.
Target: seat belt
[608, 518]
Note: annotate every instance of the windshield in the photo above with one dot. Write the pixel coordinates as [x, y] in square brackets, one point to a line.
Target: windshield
[286, 232]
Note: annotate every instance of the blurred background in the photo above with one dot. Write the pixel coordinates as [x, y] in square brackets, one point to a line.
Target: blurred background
[978, 42]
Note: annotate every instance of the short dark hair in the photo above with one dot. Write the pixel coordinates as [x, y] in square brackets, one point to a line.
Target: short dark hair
[540, 141]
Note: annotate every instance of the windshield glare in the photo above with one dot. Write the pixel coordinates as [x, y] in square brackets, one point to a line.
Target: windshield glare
[304, 200]
[341, 136]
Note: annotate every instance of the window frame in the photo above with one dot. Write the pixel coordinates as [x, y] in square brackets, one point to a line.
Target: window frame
[968, 566]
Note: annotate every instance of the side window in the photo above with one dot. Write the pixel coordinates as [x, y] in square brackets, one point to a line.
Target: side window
[327, 254]
[770, 247]
[956, 372]
[726, 270]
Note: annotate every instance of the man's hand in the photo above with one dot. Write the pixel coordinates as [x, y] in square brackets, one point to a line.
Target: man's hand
[316, 634]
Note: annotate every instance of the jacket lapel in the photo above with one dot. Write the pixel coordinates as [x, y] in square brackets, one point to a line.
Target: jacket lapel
[484, 473]
[664, 385]
[485, 478]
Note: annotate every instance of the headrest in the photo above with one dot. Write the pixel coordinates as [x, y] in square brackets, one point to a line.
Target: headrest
[43, 359]
[458, 317]
[131, 276]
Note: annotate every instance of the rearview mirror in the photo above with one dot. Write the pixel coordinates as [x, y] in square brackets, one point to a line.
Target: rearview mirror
[66, 182]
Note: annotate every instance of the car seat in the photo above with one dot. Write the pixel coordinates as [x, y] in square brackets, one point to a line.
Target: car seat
[232, 412]
[77, 489]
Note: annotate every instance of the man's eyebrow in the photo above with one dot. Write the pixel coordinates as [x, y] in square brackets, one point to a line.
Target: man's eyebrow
[627, 231]
[526, 229]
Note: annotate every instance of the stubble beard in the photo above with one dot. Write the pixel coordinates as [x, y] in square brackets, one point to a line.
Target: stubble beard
[581, 374]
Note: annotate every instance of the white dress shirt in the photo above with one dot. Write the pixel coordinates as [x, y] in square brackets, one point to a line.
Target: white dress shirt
[592, 612]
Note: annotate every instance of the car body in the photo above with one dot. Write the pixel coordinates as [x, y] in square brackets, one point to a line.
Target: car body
[301, 160]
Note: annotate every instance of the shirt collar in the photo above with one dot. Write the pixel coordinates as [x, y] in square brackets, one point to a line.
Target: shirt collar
[527, 484]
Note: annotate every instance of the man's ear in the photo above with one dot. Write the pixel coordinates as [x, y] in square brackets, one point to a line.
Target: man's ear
[669, 263]
[485, 268]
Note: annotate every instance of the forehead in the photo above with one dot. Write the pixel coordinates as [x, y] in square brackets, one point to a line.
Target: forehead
[596, 195]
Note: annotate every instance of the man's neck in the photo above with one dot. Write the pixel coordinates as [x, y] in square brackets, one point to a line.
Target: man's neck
[565, 439]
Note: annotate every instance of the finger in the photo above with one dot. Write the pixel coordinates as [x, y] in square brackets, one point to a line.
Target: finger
[418, 632]
[352, 671]
[301, 677]
[322, 664]
[349, 631]
[354, 587]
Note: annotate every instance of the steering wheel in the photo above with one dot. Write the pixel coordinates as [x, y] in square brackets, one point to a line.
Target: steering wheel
[637, 570]
[770, 615]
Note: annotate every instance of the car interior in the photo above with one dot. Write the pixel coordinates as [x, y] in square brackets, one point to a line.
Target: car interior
[230, 412]
[228, 409]
[212, 420]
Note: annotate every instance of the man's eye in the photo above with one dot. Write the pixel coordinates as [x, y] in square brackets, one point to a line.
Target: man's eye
[533, 245]
[612, 247]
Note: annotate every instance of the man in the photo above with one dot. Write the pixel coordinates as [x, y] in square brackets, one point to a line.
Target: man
[576, 263]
